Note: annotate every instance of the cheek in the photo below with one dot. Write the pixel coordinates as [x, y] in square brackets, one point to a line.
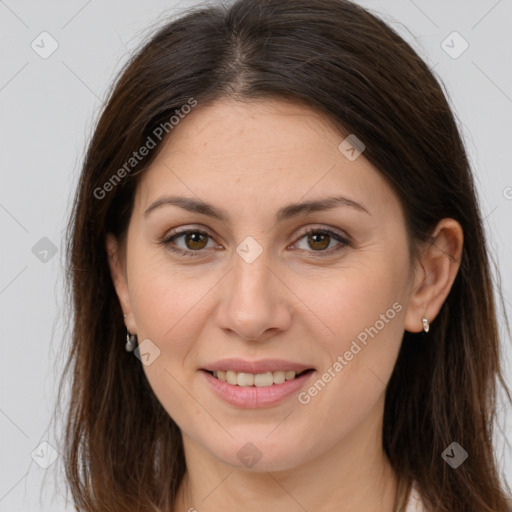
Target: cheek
[162, 294]
[363, 309]
[171, 308]
[365, 296]
[168, 311]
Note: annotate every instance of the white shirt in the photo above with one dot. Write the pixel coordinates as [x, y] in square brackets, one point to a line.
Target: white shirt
[414, 504]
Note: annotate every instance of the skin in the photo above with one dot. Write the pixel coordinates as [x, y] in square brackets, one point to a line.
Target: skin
[252, 158]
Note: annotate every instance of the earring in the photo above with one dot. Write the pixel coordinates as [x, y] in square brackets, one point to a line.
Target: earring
[426, 325]
[131, 342]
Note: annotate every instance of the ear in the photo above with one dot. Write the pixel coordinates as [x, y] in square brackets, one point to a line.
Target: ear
[434, 274]
[118, 274]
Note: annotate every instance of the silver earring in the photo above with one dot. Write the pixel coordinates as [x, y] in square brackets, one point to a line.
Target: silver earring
[131, 342]
[426, 325]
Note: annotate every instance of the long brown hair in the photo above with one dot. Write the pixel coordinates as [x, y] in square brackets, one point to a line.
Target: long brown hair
[122, 451]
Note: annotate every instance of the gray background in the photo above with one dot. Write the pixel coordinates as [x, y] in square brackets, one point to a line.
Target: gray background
[48, 108]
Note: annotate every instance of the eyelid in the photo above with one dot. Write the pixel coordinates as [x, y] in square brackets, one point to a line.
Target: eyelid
[186, 229]
[324, 229]
[183, 230]
[343, 239]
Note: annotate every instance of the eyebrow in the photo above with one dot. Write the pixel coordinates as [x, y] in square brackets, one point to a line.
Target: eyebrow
[286, 212]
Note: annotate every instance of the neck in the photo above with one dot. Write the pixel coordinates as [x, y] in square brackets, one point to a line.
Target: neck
[354, 475]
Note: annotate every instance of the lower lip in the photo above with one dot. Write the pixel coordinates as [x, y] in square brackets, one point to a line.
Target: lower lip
[251, 397]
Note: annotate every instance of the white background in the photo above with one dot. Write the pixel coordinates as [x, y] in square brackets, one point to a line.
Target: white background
[48, 108]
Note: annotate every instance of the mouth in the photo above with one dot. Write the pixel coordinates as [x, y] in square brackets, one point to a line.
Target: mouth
[258, 380]
[252, 384]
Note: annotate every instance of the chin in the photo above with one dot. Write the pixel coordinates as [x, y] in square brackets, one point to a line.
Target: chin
[257, 454]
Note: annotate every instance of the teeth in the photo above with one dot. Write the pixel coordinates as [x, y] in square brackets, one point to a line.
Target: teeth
[245, 379]
[250, 379]
[263, 379]
[279, 377]
[231, 377]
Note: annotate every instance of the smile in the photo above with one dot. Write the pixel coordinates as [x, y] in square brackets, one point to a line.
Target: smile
[256, 383]
[258, 380]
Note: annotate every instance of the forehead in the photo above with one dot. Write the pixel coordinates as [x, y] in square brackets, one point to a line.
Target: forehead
[255, 150]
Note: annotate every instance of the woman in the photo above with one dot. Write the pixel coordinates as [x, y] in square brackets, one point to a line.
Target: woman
[277, 214]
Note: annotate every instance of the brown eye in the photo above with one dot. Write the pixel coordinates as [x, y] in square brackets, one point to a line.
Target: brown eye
[195, 240]
[319, 241]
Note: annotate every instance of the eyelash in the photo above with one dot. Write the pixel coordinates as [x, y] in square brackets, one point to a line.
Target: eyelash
[323, 253]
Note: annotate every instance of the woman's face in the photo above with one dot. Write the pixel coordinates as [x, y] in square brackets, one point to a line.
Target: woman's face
[253, 292]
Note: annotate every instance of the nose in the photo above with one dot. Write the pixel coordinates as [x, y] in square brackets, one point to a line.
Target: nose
[255, 300]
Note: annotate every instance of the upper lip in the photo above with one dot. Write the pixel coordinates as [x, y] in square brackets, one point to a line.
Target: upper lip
[261, 366]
